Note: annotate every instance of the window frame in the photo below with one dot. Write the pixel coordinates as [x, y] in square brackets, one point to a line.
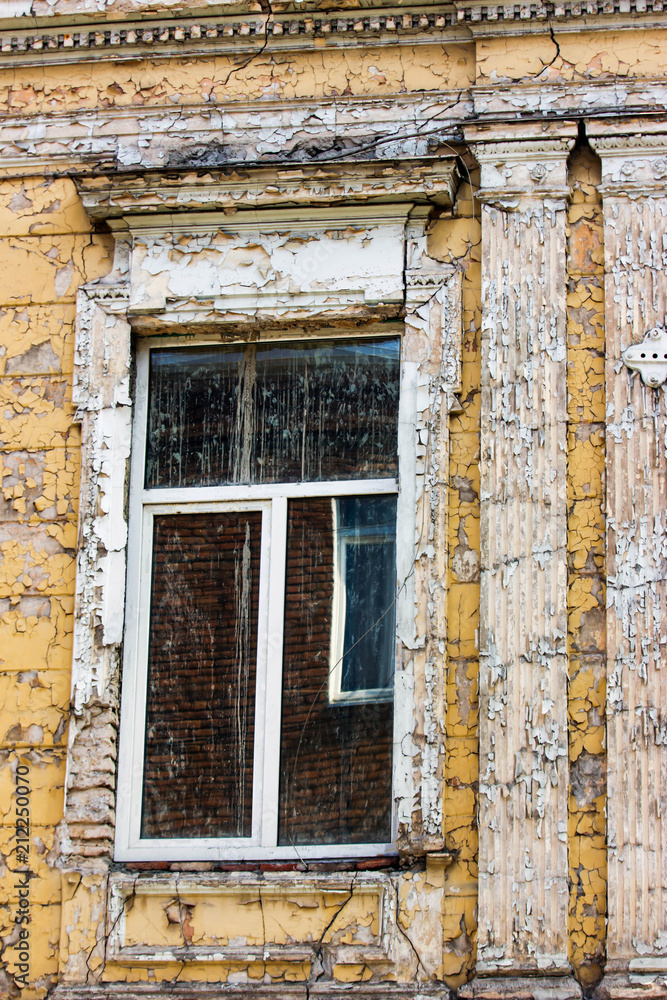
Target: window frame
[272, 500]
[424, 294]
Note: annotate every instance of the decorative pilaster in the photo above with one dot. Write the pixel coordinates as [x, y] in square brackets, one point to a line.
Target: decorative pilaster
[634, 187]
[523, 801]
[102, 393]
[431, 380]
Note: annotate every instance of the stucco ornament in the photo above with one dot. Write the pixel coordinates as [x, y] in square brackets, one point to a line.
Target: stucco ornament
[650, 357]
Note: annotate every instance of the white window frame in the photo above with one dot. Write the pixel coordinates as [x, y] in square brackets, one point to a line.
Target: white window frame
[271, 500]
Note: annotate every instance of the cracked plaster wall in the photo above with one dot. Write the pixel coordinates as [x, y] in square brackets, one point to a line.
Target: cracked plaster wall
[46, 501]
[326, 74]
[586, 568]
[458, 241]
[571, 57]
[47, 250]
[44, 505]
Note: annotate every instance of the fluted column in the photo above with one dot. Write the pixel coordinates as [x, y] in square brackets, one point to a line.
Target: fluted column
[634, 187]
[523, 801]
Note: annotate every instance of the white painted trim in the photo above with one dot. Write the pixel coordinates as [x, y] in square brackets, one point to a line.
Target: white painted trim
[259, 783]
[270, 491]
[129, 757]
[278, 333]
[274, 675]
[266, 220]
[133, 717]
[208, 849]
[336, 650]
[652, 963]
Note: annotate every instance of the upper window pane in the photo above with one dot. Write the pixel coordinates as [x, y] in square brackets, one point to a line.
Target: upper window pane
[271, 413]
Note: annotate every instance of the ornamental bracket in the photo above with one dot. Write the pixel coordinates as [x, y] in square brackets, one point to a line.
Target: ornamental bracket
[650, 357]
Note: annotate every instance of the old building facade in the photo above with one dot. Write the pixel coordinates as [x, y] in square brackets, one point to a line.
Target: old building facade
[296, 293]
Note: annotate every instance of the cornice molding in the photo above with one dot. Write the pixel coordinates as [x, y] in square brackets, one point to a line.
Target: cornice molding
[633, 165]
[522, 150]
[208, 991]
[238, 135]
[376, 181]
[626, 144]
[163, 158]
[594, 99]
[568, 15]
[68, 12]
[135, 39]
[199, 35]
[173, 226]
[525, 166]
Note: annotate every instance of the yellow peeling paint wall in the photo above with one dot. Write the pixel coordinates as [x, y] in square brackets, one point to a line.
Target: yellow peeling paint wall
[47, 250]
[572, 56]
[326, 74]
[458, 241]
[586, 569]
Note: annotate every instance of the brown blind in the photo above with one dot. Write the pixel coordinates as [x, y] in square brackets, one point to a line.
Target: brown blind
[335, 785]
[201, 675]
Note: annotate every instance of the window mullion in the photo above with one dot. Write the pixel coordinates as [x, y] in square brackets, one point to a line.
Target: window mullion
[274, 673]
[141, 676]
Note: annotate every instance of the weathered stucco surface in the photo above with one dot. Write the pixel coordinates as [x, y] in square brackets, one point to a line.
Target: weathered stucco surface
[586, 568]
[47, 250]
[288, 124]
[569, 57]
[458, 240]
[328, 73]
[634, 212]
[523, 727]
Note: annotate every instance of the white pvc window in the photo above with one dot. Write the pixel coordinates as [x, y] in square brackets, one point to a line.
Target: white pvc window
[258, 676]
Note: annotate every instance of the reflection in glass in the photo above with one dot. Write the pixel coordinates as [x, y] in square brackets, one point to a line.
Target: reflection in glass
[362, 641]
[201, 675]
[273, 412]
[335, 783]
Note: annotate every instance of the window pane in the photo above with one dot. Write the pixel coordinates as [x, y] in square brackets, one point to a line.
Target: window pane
[273, 413]
[201, 675]
[367, 560]
[335, 754]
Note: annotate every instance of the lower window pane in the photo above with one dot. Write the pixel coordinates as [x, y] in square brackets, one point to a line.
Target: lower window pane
[201, 675]
[335, 764]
